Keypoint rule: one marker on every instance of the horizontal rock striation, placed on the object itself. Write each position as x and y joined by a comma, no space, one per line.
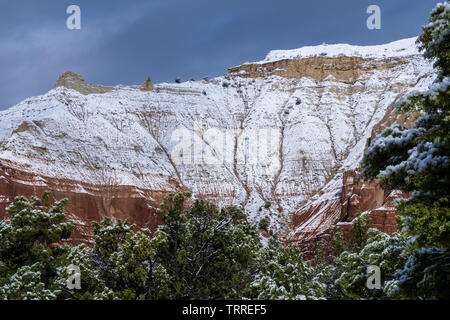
346,69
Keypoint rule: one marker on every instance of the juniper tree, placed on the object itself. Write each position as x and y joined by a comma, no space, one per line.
127,261
209,253
30,248
284,275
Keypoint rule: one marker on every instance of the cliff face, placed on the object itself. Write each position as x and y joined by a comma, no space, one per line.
369,197
274,137
356,197
345,69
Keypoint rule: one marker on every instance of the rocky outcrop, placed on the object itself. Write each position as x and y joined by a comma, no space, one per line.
76,82
356,197
147,85
360,196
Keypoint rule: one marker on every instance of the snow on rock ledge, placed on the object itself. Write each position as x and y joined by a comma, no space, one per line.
400,48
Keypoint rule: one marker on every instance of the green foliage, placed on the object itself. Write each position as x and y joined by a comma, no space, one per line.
92,286
329,248
284,275
415,262
425,275
29,254
198,253
264,224
345,275
209,254
127,261
26,283
34,227
435,38
426,221
360,234
418,160
380,250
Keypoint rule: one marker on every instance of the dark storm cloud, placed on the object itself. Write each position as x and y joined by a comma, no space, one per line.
121,42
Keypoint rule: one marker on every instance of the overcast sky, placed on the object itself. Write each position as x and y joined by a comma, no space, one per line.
121,42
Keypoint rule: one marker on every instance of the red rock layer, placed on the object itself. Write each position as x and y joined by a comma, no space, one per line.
357,196
87,203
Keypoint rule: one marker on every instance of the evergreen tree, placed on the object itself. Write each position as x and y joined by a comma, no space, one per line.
417,160
30,250
209,253
126,261
284,275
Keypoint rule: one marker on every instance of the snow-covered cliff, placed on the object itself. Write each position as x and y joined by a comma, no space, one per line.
273,136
